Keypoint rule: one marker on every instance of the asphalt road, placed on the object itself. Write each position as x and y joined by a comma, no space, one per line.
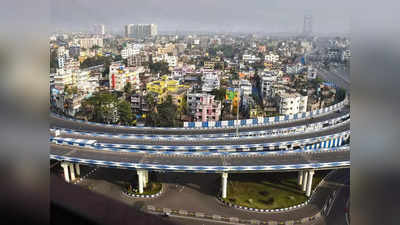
286,159
201,142
197,192
58,122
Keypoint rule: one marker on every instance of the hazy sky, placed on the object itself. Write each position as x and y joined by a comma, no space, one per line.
203,15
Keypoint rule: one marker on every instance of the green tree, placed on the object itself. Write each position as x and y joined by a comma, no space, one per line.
95,61
317,81
70,90
125,113
101,107
159,67
219,93
128,88
167,112
107,107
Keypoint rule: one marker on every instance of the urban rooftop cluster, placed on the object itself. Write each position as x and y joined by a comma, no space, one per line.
145,79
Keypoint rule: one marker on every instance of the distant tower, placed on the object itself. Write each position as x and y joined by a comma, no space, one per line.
99,29
307,27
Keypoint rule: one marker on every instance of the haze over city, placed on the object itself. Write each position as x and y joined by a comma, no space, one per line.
202,16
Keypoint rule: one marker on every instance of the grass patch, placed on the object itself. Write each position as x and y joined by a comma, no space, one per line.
268,190
152,188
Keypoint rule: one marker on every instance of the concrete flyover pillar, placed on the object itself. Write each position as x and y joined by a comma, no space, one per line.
72,171
224,184
65,165
309,182
300,177
78,169
141,180
304,184
146,178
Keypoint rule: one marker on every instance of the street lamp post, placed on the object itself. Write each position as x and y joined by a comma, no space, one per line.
237,111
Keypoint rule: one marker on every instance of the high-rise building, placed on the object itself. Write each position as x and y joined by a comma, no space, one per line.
307,26
90,42
128,30
140,30
99,29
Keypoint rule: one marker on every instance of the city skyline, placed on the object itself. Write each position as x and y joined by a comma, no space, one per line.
205,16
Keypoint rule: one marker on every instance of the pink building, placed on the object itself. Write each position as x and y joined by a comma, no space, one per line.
207,109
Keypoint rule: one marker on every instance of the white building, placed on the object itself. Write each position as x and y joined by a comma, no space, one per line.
62,56
250,58
291,103
90,42
130,50
210,81
171,60
119,76
346,55
99,29
62,78
245,87
271,57
267,82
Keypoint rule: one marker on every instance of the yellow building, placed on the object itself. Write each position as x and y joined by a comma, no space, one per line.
165,87
178,97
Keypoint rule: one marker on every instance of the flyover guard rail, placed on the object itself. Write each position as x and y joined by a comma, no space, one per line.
327,141
224,124
265,120
273,132
206,169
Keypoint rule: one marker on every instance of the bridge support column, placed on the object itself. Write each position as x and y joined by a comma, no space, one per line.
146,178
141,180
224,184
304,183
66,174
300,178
309,182
78,169
72,171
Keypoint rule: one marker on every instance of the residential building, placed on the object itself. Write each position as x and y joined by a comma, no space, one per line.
137,59
74,51
291,103
267,82
164,87
250,58
271,57
245,87
141,30
90,42
62,56
210,81
171,60
203,107
99,29
130,50
138,102
62,78
119,76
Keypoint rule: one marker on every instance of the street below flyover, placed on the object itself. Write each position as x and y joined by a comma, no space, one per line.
197,192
